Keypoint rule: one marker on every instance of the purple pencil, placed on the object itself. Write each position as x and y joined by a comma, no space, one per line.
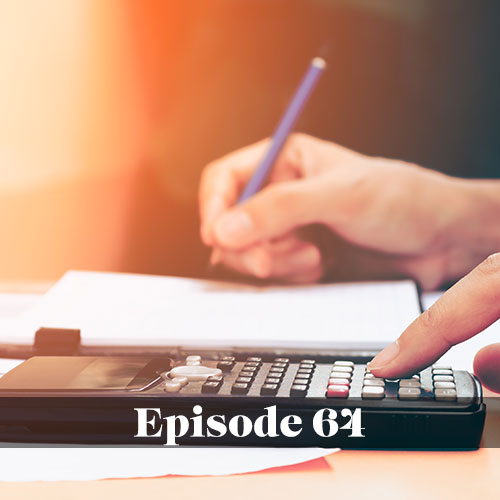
284,127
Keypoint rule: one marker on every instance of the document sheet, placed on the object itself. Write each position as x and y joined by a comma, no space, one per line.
83,463
127,309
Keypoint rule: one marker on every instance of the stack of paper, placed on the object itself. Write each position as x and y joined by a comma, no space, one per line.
126,309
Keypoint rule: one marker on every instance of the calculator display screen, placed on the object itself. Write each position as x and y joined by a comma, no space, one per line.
84,373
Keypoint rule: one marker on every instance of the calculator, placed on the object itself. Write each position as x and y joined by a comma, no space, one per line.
334,402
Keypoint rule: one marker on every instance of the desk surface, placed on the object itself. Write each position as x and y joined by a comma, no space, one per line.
348,474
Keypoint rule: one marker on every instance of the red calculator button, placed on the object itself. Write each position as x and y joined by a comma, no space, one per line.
337,391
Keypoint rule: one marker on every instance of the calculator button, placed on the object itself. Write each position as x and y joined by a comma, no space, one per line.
304,371
181,380
409,383
194,373
337,391
441,367
344,369
302,376
244,380
416,376
276,369
193,360
304,366
298,390
253,369
344,363
444,385
443,378
282,360
279,365
445,394
301,381
228,358
374,383
172,386
308,362
254,360
272,380
442,372
373,378
210,387
253,363
409,393
370,392
240,388
341,369
269,389
369,376
245,373
225,366
338,381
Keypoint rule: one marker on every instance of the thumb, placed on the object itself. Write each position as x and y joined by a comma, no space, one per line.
277,209
487,366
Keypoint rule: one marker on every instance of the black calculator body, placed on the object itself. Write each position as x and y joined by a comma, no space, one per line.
97,400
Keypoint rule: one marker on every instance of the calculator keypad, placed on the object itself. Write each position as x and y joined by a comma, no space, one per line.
283,378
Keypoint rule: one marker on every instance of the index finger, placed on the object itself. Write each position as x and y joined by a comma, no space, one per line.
222,181
463,311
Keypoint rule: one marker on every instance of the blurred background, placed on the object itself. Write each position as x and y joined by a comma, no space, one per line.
110,109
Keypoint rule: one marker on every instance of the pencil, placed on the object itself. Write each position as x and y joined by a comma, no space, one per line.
284,128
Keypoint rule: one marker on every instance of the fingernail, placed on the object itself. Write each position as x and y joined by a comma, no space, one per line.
312,256
258,264
215,258
384,357
232,228
210,213
205,235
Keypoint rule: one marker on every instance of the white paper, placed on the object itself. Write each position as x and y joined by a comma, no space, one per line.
14,304
461,356
87,463
128,309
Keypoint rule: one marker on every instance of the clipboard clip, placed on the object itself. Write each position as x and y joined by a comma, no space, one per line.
56,342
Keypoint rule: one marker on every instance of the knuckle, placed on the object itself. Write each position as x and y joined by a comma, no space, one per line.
283,199
431,319
212,169
297,140
297,137
490,266
436,324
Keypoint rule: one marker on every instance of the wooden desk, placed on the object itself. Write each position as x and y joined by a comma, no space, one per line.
347,474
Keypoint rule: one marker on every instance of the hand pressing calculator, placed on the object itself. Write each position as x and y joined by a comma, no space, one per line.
254,401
